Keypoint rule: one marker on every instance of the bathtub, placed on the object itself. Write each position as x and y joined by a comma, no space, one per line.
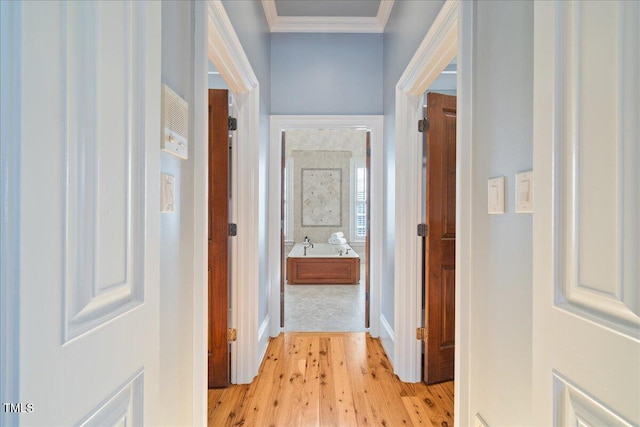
323,264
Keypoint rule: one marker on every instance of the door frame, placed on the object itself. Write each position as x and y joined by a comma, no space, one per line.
450,35
228,56
215,38
280,123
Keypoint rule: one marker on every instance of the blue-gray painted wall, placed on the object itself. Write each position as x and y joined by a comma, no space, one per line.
407,26
250,24
326,73
501,267
176,228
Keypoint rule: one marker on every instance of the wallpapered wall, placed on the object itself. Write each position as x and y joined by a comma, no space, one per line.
322,149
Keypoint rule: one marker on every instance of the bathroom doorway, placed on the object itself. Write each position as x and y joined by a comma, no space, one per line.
324,212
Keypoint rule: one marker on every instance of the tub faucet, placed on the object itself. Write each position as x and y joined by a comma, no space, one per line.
307,240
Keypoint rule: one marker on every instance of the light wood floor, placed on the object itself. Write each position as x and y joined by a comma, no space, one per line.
329,379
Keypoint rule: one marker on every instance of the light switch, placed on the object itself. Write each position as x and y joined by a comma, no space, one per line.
524,192
496,195
167,193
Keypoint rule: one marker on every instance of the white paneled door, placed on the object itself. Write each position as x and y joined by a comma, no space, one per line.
586,293
89,212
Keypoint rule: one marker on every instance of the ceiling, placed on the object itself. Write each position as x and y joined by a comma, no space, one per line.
327,16
365,8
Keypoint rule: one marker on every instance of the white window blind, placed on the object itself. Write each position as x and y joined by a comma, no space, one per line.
358,200
288,199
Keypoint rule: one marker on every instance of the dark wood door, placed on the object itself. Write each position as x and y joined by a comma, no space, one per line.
218,238
441,239
283,268
367,244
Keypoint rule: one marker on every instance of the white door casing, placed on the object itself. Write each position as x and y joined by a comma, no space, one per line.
280,123
586,296
228,56
89,212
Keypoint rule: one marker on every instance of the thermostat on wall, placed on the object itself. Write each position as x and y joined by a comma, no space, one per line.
175,124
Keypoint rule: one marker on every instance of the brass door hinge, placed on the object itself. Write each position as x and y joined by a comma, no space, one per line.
421,334
233,334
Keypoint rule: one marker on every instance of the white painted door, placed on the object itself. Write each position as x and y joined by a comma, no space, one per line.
586,311
89,212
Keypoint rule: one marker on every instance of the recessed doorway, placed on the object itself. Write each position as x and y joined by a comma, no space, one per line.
325,204
291,126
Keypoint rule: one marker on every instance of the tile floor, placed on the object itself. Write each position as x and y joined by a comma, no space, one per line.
324,308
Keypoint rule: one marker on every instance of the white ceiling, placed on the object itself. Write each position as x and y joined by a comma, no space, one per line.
327,16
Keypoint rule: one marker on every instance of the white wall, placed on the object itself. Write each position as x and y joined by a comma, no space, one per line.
501,268
176,230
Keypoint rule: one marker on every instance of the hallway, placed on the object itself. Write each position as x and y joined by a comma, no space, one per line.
329,379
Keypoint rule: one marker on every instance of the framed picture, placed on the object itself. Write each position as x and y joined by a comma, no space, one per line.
321,197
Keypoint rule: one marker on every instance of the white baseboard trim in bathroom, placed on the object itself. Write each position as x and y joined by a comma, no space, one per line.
387,337
263,338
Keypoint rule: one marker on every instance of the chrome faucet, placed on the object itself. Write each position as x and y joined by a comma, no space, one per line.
340,252
308,242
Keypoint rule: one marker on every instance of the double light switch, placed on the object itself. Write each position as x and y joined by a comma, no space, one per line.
524,194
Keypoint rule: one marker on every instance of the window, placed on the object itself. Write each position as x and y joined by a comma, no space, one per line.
358,200
288,200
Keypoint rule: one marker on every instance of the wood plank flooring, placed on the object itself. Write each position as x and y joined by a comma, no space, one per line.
329,379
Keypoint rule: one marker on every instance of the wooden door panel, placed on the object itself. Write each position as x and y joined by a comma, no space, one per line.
218,357
440,241
447,336
449,177
283,158
367,271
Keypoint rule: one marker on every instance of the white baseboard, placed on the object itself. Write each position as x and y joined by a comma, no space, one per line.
387,337
263,338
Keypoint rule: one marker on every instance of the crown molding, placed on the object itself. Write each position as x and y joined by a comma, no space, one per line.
384,11
270,12
327,24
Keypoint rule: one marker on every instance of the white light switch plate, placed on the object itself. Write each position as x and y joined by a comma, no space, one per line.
167,193
496,195
524,192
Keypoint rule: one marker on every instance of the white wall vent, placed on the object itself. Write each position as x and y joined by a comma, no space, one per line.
175,123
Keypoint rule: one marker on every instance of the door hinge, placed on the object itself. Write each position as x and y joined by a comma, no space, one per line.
423,125
421,334
423,230
233,334
233,230
233,123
